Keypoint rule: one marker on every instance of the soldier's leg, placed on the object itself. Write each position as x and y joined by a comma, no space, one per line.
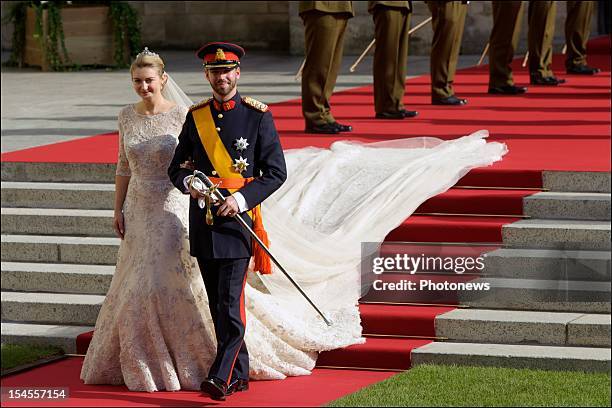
402,60
210,275
336,40
390,55
448,20
231,318
459,12
320,44
241,368
507,16
577,31
540,37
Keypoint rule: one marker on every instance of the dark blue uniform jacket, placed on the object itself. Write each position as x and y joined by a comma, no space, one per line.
226,238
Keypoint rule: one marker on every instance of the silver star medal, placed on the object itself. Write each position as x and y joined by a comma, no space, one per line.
240,164
241,144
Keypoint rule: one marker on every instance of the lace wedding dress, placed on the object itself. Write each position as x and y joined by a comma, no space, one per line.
154,331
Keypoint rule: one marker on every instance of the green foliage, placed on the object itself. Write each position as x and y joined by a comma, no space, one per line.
14,355
124,20
440,386
55,36
17,16
126,28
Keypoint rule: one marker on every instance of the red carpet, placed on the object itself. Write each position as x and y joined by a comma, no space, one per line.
465,201
422,228
377,353
563,128
399,320
315,390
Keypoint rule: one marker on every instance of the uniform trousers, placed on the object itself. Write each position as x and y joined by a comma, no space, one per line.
224,280
324,43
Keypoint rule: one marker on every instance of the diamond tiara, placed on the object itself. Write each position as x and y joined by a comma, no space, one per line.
147,52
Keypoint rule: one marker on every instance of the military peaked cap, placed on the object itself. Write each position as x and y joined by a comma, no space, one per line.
220,55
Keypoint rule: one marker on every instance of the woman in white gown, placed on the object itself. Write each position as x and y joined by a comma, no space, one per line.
154,331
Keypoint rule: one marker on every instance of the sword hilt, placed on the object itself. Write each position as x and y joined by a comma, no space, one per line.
207,182
212,187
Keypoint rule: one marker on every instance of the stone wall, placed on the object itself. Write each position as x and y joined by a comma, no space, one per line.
275,26
189,24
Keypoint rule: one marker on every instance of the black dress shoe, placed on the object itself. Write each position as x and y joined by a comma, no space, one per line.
214,387
507,90
450,100
326,128
390,115
341,127
582,70
548,81
409,114
237,386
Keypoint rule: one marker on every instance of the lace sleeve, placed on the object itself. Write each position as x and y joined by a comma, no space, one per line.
123,165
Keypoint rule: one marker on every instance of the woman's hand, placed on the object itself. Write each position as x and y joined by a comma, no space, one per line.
118,224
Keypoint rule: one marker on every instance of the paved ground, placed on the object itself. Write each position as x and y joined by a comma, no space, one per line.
45,107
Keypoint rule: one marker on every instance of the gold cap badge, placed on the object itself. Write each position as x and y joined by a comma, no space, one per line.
220,55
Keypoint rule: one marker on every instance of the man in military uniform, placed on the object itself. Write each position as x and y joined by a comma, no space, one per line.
391,22
507,16
539,39
448,19
233,140
577,30
324,26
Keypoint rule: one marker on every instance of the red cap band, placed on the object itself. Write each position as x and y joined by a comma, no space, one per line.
229,56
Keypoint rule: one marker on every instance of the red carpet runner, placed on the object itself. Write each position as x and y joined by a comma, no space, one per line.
550,128
314,390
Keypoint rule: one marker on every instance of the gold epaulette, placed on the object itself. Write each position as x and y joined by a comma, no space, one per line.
255,104
200,104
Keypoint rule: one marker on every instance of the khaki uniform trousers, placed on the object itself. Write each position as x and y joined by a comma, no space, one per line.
390,58
448,19
324,37
577,31
507,16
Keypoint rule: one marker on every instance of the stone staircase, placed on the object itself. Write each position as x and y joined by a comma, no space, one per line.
58,250
549,303
549,306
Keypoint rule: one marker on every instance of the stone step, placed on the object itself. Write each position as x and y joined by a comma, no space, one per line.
43,335
85,196
524,327
64,278
51,308
589,329
589,359
577,181
59,172
58,249
540,295
576,206
557,234
51,221
548,264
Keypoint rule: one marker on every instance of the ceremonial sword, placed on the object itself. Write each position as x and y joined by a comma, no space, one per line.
213,188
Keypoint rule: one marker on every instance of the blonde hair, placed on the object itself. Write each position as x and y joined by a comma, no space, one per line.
148,60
